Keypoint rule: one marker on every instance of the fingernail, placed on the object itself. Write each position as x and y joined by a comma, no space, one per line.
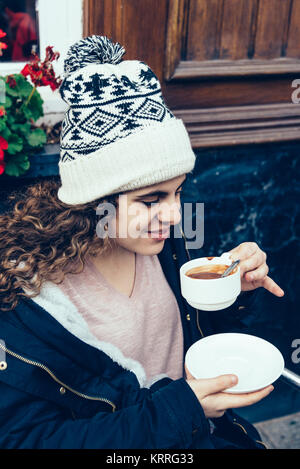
233,379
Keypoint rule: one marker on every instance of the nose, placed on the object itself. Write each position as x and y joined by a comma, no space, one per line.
169,213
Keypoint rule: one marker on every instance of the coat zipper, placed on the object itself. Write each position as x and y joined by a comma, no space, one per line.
189,257
65,386
245,431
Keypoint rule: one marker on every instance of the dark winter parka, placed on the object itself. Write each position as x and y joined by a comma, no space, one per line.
60,391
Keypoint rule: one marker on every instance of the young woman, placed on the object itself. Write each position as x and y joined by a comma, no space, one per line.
94,329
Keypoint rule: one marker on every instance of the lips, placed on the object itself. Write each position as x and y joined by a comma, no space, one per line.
159,234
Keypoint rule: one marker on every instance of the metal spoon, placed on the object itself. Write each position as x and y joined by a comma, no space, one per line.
230,268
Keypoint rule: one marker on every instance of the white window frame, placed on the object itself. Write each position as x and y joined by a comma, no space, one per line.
60,25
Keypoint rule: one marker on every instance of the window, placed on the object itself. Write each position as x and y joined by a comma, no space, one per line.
38,24
18,20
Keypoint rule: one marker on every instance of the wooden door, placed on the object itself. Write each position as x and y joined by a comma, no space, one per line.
228,68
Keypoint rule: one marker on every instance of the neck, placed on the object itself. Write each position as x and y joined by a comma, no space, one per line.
113,259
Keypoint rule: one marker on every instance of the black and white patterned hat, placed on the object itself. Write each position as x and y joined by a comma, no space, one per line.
117,134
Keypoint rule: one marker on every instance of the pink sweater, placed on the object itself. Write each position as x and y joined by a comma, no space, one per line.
145,326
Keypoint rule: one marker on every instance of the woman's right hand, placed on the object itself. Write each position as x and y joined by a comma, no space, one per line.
214,402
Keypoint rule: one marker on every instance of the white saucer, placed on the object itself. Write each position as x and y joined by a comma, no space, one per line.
256,362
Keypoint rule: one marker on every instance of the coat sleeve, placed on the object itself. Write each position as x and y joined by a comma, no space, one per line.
166,418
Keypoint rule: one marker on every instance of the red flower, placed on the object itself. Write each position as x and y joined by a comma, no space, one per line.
26,70
2,44
3,146
50,55
42,73
11,81
3,143
2,111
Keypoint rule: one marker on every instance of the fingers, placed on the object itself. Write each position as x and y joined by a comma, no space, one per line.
215,385
244,400
243,251
250,258
265,282
254,269
258,274
270,285
214,399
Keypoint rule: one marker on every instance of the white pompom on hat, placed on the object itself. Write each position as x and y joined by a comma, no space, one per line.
117,134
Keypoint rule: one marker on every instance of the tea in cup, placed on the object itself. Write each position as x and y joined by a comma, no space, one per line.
203,286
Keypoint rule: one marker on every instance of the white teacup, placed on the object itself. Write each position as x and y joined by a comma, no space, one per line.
210,294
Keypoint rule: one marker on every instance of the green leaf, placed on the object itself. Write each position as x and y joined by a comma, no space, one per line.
23,87
35,106
15,144
2,125
17,165
10,119
27,112
3,121
8,102
11,91
22,129
6,133
37,138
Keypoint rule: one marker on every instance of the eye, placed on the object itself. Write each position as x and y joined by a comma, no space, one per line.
148,204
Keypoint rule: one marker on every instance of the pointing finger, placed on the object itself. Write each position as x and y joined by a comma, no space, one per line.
270,285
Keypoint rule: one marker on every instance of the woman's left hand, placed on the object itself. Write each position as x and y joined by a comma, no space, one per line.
253,268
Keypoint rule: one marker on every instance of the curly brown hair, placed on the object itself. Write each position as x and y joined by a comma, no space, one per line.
50,237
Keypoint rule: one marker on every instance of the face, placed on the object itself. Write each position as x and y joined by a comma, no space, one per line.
144,216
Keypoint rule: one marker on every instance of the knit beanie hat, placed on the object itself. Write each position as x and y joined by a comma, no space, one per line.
117,133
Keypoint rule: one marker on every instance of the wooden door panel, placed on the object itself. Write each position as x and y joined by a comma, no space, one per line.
293,36
214,57
271,28
203,29
238,20
137,25
247,38
214,93
220,30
